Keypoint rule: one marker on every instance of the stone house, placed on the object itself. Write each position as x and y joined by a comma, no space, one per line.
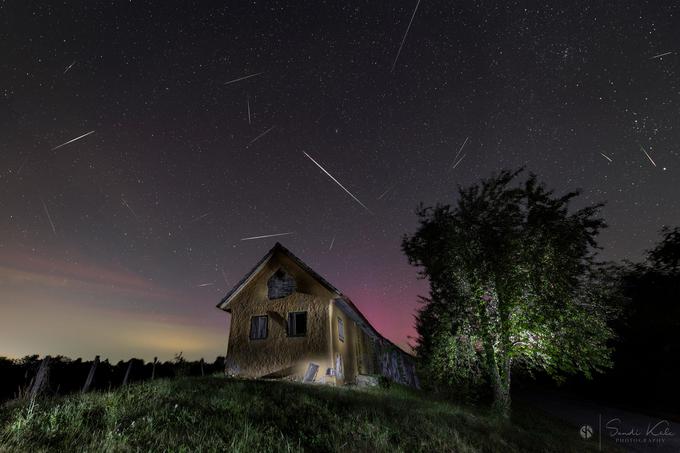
288,322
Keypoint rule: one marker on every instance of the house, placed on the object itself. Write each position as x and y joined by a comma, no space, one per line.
288,321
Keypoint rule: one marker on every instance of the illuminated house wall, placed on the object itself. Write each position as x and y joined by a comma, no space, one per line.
265,342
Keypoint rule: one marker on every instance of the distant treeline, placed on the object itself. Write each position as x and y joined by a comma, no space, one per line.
65,375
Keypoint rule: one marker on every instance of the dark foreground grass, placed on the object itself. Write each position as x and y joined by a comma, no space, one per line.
218,414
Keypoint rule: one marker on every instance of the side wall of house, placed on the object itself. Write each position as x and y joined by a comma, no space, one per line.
394,363
361,353
279,353
367,358
344,350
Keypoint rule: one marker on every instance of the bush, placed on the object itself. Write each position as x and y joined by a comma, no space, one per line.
384,382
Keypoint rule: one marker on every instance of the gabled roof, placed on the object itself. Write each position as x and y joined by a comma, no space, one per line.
260,264
342,301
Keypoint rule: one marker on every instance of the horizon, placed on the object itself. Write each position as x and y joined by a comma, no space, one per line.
216,338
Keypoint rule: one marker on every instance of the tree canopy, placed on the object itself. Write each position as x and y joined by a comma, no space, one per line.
513,282
665,257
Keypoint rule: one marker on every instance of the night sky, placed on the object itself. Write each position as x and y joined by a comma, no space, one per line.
121,243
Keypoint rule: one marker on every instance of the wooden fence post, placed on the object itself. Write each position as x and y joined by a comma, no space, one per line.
127,373
40,381
90,376
153,368
202,373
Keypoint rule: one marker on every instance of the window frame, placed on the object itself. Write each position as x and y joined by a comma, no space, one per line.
266,328
288,324
341,329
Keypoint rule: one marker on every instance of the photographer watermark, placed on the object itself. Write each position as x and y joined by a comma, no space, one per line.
630,432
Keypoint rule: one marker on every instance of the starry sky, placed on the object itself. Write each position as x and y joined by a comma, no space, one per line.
121,242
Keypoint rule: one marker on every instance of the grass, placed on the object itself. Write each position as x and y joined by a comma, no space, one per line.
219,414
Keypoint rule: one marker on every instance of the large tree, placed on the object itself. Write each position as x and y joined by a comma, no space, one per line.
513,281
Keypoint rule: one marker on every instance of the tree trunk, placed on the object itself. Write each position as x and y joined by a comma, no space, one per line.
498,370
497,362
503,361
501,394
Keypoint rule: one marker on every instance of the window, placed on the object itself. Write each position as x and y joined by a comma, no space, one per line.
280,285
258,327
341,330
297,324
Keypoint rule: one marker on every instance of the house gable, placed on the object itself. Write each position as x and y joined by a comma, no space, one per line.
294,275
307,281
277,275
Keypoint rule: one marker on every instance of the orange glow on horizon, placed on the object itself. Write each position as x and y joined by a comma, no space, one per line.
83,310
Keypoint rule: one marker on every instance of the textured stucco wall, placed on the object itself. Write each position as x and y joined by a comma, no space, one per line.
359,353
347,348
256,358
367,358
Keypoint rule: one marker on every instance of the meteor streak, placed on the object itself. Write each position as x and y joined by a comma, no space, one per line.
200,217
69,67
461,148
459,161
403,40
243,78
125,203
648,156
260,136
266,236
338,182
54,230
71,141
661,55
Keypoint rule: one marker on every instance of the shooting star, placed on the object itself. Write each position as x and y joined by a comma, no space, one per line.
648,156
125,203
69,66
248,98
459,161
260,136
386,191
332,242
461,148
661,55
224,275
403,40
266,236
200,217
71,141
22,165
205,284
338,182
47,212
606,157
243,78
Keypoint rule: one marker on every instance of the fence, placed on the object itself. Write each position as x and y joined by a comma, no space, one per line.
33,376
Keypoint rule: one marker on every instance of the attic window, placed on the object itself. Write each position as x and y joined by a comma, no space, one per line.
280,285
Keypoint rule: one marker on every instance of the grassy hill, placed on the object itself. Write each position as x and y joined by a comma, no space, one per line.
218,414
